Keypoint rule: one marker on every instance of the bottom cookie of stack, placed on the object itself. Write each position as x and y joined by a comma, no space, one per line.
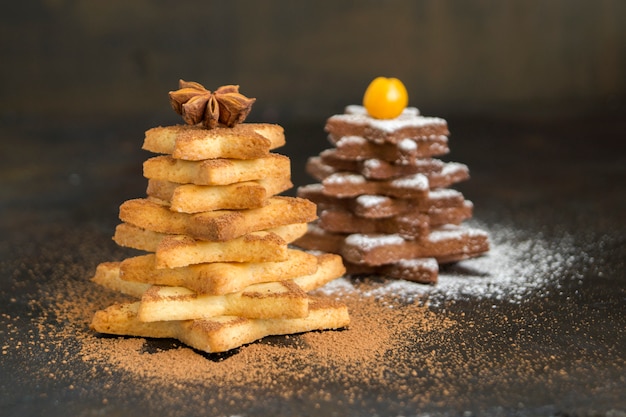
217,321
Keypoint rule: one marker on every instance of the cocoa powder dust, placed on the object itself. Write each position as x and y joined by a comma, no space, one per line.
61,301
399,353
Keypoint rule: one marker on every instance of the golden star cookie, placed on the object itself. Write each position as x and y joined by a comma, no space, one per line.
218,277
191,198
219,171
217,225
223,333
194,143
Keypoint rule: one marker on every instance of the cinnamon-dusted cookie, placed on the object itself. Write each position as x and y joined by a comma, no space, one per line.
273,299
266,246
108,275
282,299
222,333
216,171
259,301
180,250
195,143
134,237
218,277
191,198
217,225
356,122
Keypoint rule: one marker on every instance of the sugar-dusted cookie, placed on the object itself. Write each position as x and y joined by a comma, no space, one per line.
410,225
446,244
421,270
348,184
376,206
439,175
356,122
405,151
376,168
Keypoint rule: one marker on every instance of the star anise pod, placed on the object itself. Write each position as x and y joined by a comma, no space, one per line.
225,106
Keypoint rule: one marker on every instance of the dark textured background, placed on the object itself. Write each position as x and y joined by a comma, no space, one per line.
306,60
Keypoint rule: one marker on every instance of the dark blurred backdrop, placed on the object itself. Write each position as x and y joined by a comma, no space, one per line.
305,60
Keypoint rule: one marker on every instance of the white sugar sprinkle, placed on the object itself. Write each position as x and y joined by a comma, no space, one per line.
516,267
369,200
441,193
407,119
372,163
425,263
358,109
407,145
450,232
416,181
344,178
351,140
367,242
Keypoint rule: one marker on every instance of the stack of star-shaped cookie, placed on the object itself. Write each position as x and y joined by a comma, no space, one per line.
384,199
219,271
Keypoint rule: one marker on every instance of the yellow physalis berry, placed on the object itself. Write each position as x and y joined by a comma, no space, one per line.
385,98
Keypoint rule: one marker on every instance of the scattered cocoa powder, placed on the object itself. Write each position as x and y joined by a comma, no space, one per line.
398,354
374,330
290,365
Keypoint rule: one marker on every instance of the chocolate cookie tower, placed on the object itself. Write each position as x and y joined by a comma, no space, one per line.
384,199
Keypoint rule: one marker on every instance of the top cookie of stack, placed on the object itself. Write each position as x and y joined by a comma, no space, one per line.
383,197
219,272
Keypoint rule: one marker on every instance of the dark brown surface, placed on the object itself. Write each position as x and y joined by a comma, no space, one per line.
307,60
61,186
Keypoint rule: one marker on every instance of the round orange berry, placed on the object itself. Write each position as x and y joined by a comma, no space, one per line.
385,98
